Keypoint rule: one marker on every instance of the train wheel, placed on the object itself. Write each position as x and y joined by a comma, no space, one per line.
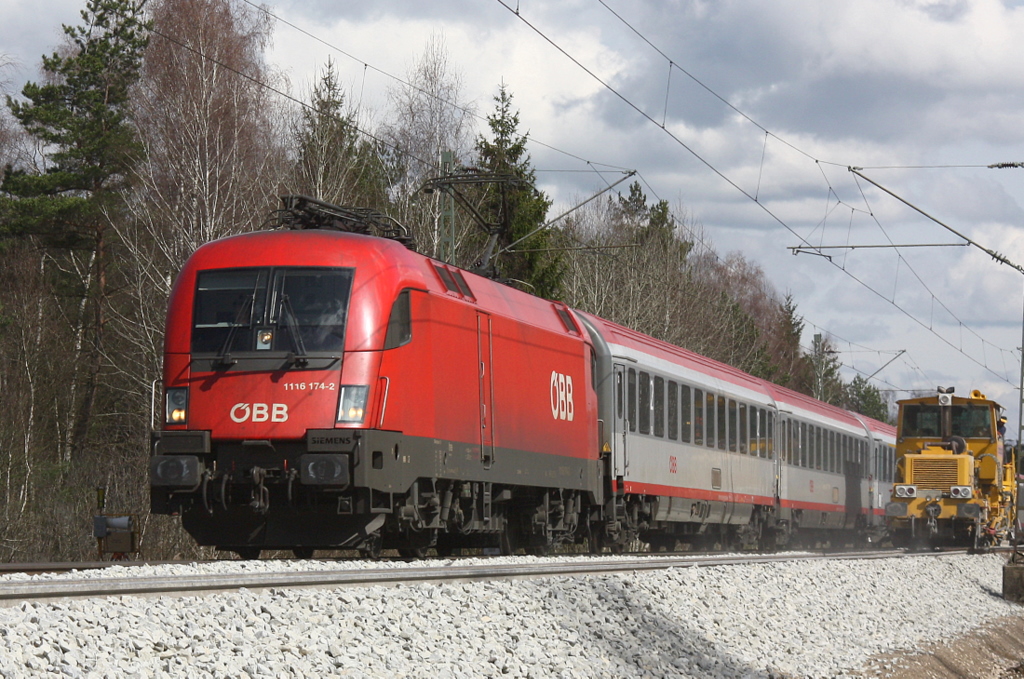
303,552
248,553
371,547
412,552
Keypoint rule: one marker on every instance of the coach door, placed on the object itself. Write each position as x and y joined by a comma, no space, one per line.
485,359
621,419
852,473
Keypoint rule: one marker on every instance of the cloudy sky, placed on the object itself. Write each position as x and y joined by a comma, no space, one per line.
746,116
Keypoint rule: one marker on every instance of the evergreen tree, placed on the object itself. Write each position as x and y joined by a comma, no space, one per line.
334,163
80,117
516,205
866,399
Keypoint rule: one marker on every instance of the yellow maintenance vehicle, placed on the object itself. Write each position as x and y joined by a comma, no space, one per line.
955,481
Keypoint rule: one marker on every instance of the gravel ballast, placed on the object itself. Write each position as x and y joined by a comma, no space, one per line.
816,619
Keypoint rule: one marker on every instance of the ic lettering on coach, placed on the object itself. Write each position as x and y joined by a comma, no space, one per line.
562,407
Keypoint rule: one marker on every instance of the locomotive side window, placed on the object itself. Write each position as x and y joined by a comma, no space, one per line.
463,286
659,406
672,401
698,416
684,404
399,323
631,402
284,309
645,403
447,279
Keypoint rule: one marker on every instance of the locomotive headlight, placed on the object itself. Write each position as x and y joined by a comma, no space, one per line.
264,339
352,406
905,491
176,407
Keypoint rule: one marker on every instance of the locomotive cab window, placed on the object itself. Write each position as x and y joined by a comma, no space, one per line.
399,323
297,310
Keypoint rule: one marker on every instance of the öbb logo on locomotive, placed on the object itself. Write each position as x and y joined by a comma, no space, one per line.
259,412
562,407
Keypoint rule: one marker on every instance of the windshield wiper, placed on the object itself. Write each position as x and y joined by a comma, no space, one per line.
224,359
298,357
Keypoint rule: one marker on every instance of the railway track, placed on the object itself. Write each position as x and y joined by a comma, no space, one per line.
57,587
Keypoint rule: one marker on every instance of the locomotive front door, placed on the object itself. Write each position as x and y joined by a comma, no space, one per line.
620,423
485,356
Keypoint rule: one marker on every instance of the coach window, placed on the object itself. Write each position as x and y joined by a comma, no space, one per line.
632,400
710,428
769,441
698,416
659,406
830,450
618,394
723,424
752,430
762,432
685,406
819,460
733,424
672,402
743,428
791,445
645,403
805,445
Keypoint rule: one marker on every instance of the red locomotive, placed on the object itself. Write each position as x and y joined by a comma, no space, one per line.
327,389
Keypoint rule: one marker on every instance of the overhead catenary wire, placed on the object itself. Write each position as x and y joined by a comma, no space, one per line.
366,66
728,180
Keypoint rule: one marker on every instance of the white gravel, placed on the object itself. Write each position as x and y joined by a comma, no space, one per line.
816,619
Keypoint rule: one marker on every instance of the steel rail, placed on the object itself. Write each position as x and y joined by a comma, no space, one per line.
12,592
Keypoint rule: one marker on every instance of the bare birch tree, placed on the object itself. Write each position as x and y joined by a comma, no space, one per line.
429,116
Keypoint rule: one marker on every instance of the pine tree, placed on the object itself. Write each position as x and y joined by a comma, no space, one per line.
80,116
866,399
517,205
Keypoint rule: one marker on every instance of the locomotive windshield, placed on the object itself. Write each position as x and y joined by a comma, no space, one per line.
297,310
968,421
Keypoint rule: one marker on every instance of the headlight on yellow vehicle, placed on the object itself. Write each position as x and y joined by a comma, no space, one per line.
905,491
961,492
